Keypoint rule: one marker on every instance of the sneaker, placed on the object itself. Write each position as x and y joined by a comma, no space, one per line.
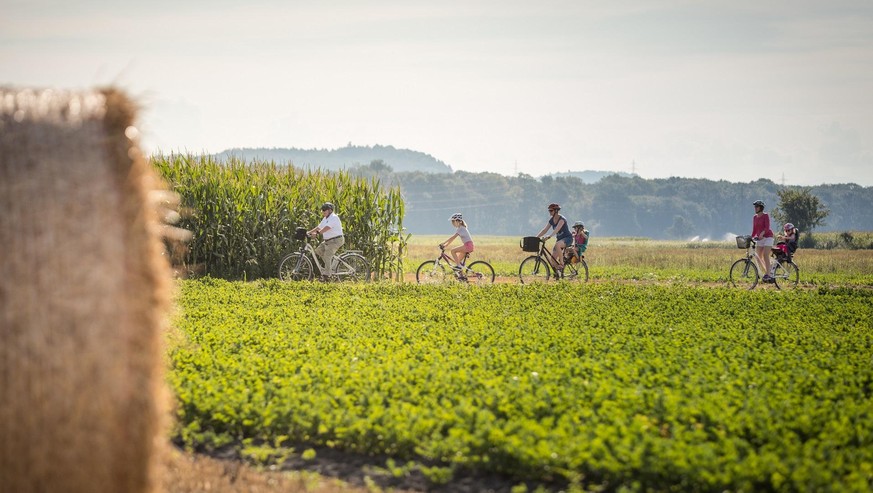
767,278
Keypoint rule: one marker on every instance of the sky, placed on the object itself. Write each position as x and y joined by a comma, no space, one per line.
735,90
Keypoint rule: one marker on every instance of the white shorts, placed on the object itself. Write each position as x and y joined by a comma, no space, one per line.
765,242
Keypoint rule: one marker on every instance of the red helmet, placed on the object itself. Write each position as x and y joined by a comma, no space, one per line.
554,207
788,227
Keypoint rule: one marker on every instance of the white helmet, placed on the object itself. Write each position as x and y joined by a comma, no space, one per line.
456,217
578,224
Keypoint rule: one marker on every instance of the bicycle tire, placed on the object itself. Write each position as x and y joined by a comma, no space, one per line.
358,269
534,270
288,265
786,275
744,274
429,272
479,272
576,272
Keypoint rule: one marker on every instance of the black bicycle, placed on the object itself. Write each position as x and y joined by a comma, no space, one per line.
538,268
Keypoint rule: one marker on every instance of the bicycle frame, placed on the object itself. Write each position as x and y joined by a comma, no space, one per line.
449,260
307,248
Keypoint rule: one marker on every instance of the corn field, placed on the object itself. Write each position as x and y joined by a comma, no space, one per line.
243,214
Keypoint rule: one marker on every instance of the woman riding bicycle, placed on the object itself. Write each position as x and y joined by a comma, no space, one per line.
763,236
564,238
331,230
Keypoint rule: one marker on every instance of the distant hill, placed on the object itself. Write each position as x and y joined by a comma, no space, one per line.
399,160
590,176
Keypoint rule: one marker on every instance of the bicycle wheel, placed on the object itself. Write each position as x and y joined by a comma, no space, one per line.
479,272
295,268
352,267
744,274
576,272
429,272
786,275
533,270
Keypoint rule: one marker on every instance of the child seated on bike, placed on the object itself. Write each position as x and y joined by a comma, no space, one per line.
580,242
460,252
787,244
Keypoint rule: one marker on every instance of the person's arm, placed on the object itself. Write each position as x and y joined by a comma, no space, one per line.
541,233
451,238
559,225
321,228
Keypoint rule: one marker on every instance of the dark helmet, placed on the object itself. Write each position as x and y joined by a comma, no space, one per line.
327,205
554,207
759,203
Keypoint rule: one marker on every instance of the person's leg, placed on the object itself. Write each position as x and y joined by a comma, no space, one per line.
766,257
559,253
321,253
458,253
326,250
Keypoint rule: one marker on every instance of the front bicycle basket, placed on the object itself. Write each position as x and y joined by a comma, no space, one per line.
744,241
300,234
530,244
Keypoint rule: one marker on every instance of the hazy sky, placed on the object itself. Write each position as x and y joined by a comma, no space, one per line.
735,90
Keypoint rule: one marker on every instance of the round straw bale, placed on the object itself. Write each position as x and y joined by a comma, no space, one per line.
84,293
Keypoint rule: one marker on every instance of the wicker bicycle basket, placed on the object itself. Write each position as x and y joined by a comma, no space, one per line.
530,244
743,241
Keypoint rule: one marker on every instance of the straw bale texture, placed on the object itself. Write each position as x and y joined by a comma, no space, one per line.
84,292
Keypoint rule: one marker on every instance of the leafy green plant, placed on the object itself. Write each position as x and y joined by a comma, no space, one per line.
641,387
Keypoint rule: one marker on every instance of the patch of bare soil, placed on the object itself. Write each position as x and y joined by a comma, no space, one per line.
329,471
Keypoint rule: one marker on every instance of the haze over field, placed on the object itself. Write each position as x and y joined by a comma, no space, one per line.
734,90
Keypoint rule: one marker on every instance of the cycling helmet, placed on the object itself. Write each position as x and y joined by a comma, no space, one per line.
327,205
578,224
759,202
456,217
788,227
554,207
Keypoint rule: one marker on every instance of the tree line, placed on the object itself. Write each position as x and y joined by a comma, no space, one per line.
671,208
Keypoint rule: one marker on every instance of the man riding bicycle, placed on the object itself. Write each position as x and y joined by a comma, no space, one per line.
331,230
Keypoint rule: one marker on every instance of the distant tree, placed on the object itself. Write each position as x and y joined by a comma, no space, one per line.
681,228
379,166
801,208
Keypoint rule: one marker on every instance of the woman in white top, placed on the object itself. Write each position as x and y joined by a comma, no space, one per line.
331,230
466,247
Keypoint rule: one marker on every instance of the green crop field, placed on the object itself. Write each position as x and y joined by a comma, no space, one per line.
680,384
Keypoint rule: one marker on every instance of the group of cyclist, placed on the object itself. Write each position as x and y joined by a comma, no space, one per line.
576,241
331,229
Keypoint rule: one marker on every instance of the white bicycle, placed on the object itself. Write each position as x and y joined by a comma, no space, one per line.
297,266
